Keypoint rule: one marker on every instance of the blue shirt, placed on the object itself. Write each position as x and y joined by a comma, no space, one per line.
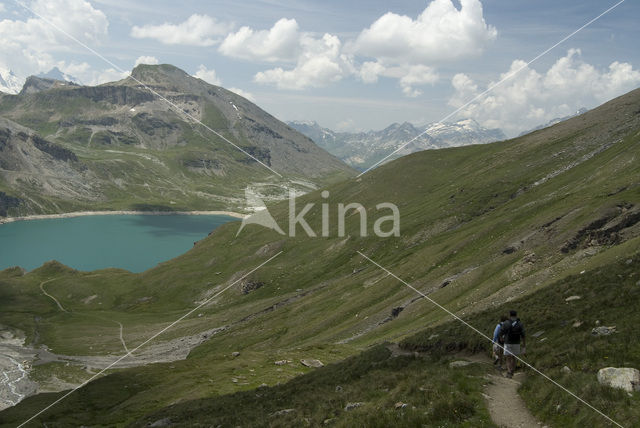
496,333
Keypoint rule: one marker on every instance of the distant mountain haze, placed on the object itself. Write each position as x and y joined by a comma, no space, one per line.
363,149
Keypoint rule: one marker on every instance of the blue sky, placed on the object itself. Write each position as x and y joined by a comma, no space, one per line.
349,65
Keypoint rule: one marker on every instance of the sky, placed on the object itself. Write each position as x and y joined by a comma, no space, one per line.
350,66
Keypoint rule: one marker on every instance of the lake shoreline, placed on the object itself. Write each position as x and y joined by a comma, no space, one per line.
118,212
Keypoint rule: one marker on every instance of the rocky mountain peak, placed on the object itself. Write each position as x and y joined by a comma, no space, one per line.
162,74
35,84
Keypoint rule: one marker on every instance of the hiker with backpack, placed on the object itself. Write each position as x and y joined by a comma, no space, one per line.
498,344
512,332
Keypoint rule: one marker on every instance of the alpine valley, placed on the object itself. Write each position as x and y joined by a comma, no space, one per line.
315,331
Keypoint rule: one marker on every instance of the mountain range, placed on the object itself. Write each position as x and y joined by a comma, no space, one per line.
304,330
361,150
10,83
137,144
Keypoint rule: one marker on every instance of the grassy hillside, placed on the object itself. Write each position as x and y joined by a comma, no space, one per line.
438,394
480,226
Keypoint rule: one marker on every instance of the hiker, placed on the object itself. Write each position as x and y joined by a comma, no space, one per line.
498,343
512,332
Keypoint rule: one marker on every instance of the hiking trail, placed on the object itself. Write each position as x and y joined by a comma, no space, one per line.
49,295
506,407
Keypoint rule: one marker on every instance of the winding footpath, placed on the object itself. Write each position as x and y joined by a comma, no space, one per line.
49,295
124,344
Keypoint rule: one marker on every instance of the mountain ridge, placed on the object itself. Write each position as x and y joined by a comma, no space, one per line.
139,151
363,149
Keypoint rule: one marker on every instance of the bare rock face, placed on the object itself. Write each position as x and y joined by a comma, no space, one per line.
625,378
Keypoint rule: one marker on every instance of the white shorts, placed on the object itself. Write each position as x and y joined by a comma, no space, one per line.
511,349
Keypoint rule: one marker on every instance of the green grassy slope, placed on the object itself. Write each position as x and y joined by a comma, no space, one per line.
444,396
480,225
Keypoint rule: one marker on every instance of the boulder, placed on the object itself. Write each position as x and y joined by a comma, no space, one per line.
310,362
161,423
460,363
282,412
351,406
603,330
625,378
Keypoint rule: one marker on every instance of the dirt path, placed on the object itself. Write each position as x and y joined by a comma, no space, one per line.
122,340
505,405
49,295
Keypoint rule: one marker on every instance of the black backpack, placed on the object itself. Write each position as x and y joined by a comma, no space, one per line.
511,331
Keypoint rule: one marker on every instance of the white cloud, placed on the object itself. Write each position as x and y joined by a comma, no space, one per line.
531,98
319,63
318,60
408,76
197,30
280,43
245,94
108,75
370,71
407,49
28,45
2,8
207,75
395,46
440,33
75,17
151,60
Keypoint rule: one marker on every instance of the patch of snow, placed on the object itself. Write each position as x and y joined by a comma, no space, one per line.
9,82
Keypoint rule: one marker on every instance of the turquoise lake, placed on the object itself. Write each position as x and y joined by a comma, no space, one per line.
132,242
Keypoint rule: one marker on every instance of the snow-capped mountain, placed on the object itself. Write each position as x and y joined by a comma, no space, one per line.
363,149
56,74
9,82
12,84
